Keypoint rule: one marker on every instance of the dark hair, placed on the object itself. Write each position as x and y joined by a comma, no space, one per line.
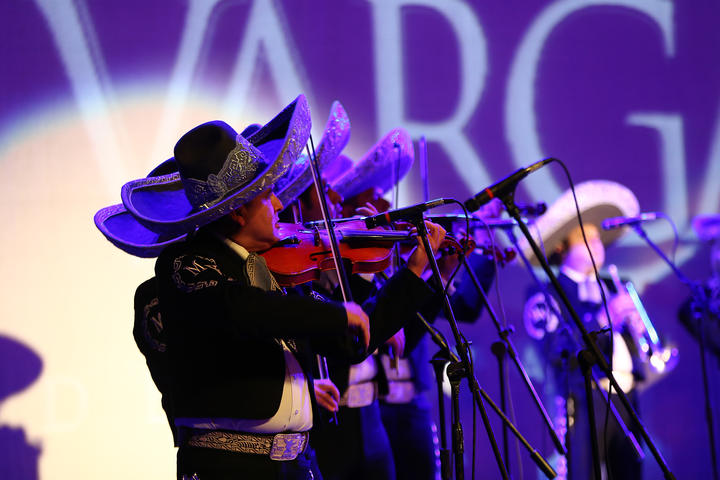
557,256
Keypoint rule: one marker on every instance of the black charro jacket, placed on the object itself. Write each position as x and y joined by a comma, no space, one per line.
224,359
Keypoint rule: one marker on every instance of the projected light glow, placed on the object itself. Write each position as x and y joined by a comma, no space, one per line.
100,91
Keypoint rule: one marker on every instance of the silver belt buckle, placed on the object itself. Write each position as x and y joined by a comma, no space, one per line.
359,395
287,446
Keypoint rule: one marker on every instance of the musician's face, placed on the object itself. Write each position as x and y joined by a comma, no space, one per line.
577,256
260,221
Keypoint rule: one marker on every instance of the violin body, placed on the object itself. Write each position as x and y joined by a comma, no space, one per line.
304,253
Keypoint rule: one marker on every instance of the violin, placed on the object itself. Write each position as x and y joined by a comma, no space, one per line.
502,256
303,251
457,222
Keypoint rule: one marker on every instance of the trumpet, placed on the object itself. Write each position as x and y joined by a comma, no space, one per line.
658,358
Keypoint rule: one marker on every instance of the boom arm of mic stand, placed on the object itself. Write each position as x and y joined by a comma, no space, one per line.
633,441
504,336
534,454
601,362
462,348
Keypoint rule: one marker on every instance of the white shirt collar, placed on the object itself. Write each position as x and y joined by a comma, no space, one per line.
235,247
574,275
587,285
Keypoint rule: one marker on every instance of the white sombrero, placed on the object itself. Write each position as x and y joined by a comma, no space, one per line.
597,200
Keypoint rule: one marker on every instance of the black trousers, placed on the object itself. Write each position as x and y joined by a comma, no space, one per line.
357,448
212,464
619,456
410,428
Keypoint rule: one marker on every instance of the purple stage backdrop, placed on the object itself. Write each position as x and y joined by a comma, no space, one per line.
96,92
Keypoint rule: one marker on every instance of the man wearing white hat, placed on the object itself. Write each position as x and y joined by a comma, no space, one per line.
546,321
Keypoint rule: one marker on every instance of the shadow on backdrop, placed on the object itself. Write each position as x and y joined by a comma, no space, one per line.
19,368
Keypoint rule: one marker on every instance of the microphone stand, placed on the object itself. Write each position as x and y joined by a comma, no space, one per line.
699,306
512,209
628,434
460,369
446,355
439,361
504,334
499,350
587,359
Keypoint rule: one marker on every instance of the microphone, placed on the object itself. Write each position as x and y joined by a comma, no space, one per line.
504,186
406,213
618,222
532,209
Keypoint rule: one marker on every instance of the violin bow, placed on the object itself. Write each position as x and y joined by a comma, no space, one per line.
339,266
422,149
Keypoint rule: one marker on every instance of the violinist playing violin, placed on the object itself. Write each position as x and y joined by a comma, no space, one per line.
360,446
406,407
547,322
239,351
357,447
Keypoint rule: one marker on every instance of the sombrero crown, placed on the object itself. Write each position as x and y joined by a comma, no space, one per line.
382,166
597,200
267,153
218,171
335,136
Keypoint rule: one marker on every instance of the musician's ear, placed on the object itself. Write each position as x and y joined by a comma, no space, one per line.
238,216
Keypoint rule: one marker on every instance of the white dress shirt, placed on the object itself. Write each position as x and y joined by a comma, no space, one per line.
295,411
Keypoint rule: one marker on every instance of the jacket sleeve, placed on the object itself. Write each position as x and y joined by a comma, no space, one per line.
395,305
389,309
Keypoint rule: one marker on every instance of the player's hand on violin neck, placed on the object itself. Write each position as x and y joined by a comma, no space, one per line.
367,210
419,260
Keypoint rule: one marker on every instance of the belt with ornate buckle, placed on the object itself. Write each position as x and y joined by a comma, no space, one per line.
281,446
359,395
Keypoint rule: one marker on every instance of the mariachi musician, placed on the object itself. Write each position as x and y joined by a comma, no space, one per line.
357,447
400,384
238,359
548,322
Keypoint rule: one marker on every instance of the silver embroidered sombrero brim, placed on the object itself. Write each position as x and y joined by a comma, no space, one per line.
129,235
381,167
597,200
172,205
335,136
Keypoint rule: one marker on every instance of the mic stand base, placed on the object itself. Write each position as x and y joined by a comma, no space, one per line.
456,372
463,351
439,361
586,360
499,350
